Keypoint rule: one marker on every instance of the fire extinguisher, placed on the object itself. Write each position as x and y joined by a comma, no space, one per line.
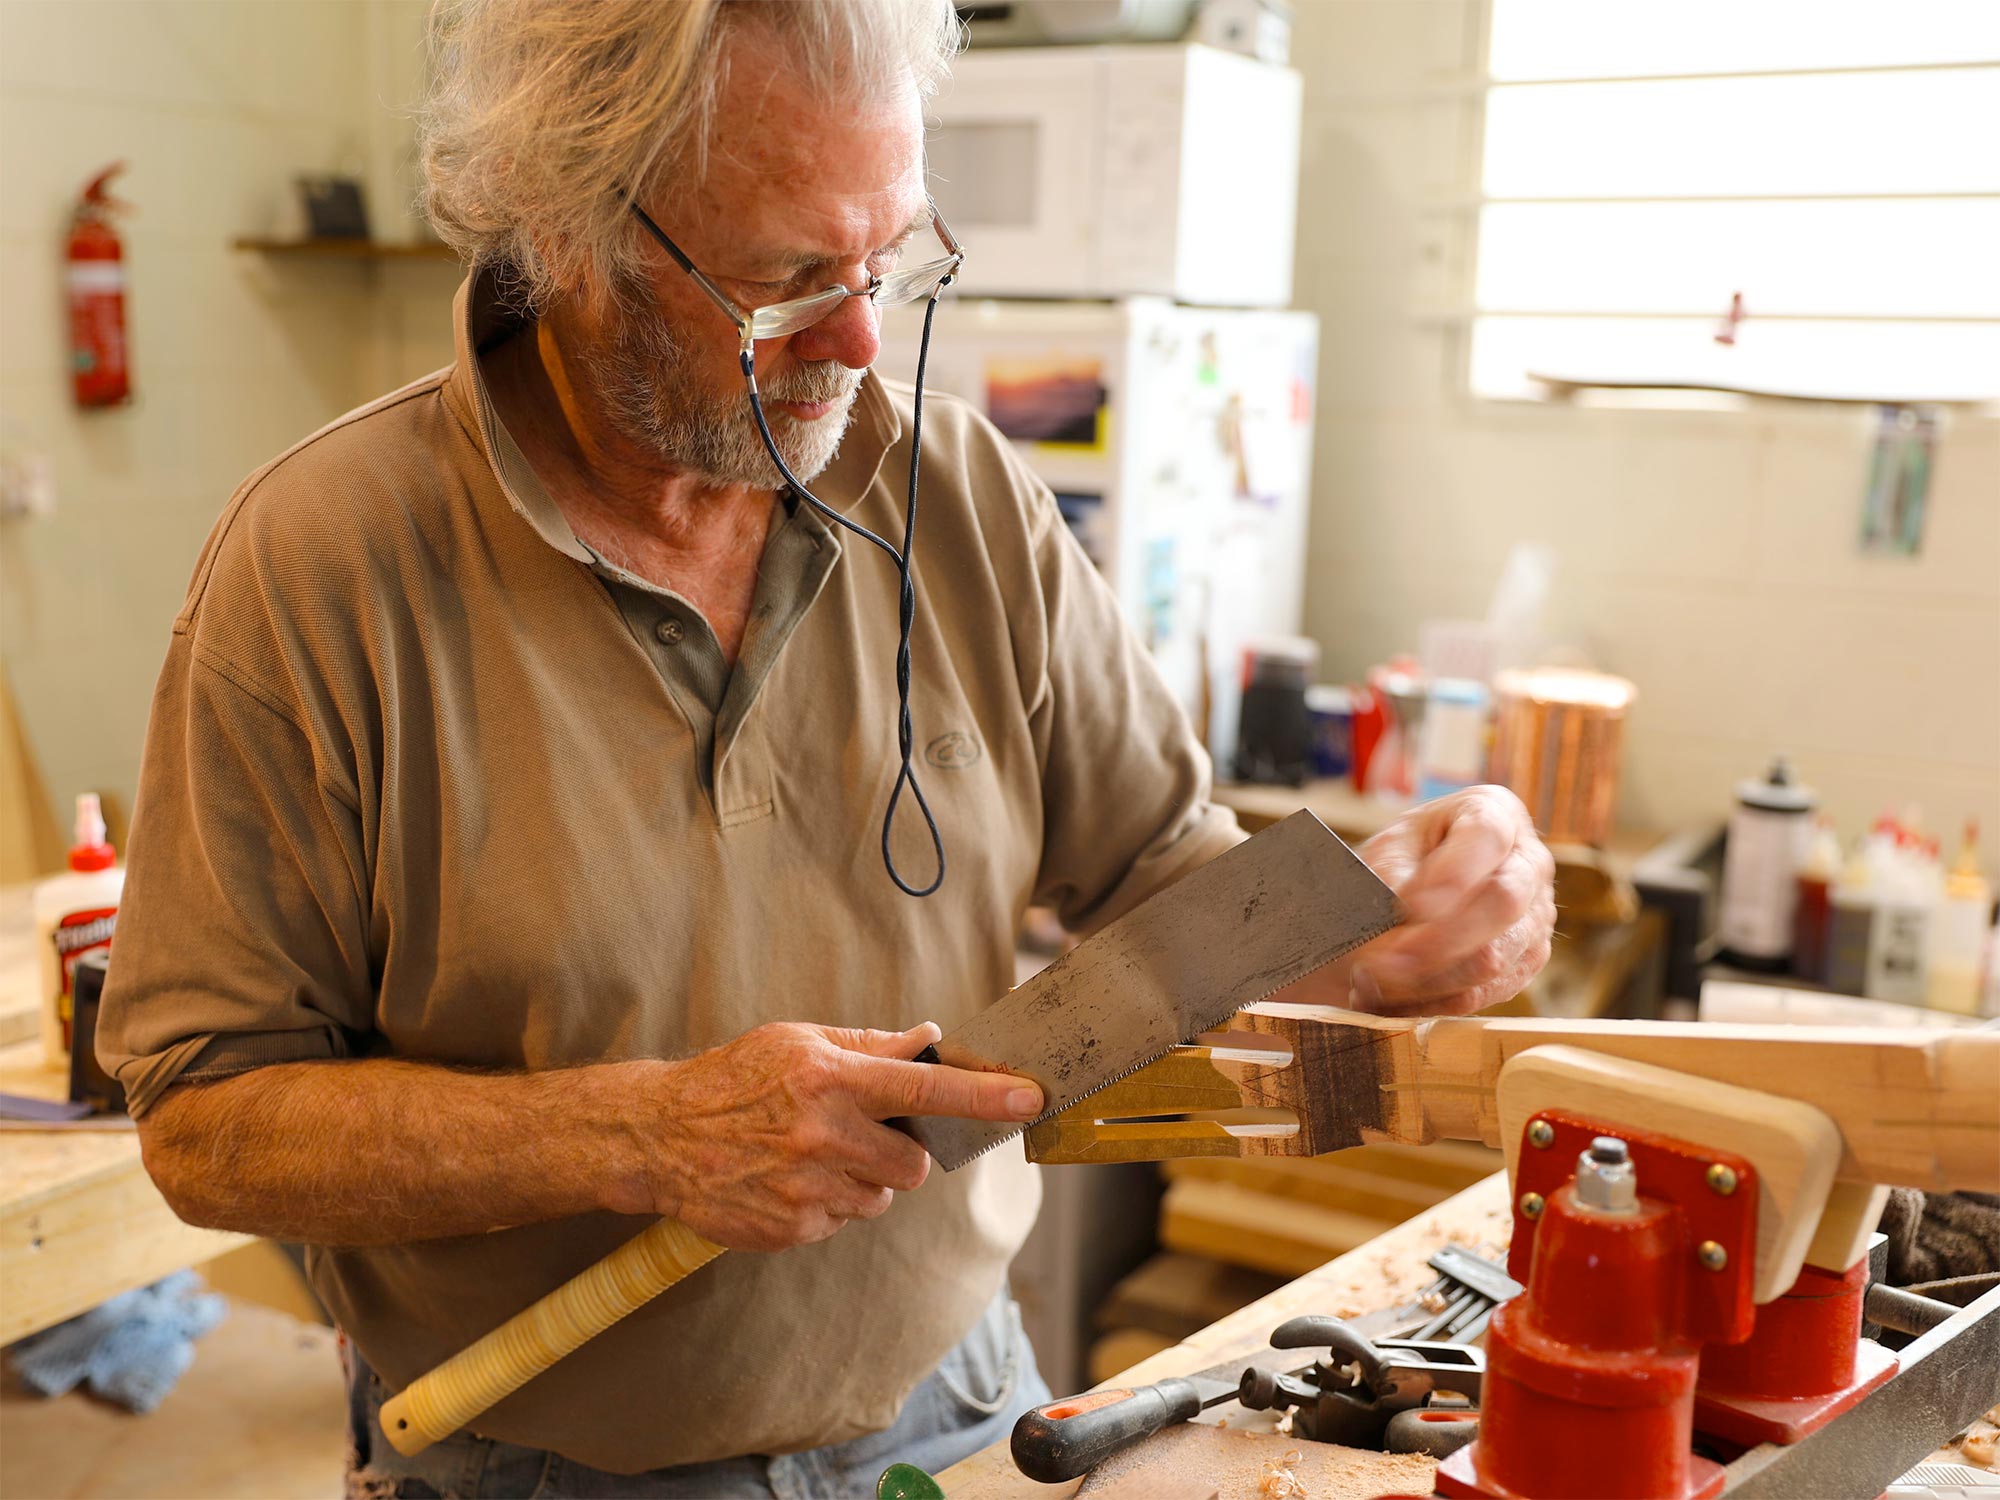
99,360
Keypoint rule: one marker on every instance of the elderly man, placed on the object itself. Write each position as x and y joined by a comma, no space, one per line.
509,862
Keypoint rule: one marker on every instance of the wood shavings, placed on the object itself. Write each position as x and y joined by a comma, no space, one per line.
1279,1482
1978,1447
1232,1462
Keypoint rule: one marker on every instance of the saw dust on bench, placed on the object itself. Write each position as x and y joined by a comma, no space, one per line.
1199,1460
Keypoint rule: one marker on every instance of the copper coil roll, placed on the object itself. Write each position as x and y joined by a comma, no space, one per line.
1557,736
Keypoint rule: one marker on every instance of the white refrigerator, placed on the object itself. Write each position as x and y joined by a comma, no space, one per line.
1178,442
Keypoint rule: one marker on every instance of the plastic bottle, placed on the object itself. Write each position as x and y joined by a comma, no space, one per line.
1452,747
1909,885
1769,831
1850,925
1811,921
1958,932
74,915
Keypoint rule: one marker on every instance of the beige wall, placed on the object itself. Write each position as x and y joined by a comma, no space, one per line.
1708,555
214,104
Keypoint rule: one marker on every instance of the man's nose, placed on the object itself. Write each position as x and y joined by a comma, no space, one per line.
851,333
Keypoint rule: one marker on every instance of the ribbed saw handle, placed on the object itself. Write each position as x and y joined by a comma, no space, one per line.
436,1405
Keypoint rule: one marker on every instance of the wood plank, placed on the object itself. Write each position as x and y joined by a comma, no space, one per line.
20,968
1234,1465
74,1249
1125,1347
344,249
1177,1295
1388,1270
1226,1221
80,1221
1320,1180
1913,1105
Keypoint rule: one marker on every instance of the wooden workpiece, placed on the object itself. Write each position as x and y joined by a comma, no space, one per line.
1388,1270
80,1221
1915,1107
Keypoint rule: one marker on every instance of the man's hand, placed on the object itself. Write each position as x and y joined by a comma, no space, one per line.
1479,887
776,1138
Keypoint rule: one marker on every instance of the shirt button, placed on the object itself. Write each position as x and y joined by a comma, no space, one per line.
669,631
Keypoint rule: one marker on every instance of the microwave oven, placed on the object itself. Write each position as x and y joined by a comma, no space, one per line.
1167,170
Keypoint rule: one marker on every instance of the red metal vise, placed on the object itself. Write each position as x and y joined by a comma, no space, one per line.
1634,1254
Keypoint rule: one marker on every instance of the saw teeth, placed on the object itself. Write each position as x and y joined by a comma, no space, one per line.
1020,1130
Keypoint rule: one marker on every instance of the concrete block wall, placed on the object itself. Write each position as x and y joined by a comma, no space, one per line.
1707,554
214,105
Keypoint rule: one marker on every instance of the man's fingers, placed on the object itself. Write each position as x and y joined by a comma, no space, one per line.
887,1158
883,1087
861,1200
1496,971
1496,905
871,1043
1481,835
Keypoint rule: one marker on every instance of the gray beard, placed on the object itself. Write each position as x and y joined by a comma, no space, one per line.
654,396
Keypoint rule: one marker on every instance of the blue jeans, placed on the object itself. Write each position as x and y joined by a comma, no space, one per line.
972,1399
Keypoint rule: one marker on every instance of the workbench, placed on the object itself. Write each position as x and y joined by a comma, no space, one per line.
80,1221
1388,1270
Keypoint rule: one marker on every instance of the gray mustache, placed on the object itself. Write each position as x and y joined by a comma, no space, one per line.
824,382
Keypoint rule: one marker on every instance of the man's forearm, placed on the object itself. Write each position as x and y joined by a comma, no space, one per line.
382,1151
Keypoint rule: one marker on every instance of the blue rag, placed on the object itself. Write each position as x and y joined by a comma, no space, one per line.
131,1350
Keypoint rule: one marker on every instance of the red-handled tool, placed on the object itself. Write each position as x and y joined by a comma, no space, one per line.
1070,1437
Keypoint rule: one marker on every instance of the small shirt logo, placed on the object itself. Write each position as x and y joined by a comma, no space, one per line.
952,752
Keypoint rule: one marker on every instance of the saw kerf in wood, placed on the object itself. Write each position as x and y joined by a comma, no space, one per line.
1914,1106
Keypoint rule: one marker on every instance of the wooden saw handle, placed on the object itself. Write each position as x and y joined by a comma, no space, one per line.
436,1405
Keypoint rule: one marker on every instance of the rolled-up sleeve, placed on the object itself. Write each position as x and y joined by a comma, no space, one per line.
242,936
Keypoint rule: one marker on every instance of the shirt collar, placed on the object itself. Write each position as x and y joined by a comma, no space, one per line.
482,318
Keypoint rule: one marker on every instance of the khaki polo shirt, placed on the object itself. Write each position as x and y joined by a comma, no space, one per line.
427,779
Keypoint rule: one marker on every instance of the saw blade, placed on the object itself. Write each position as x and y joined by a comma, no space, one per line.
1243,926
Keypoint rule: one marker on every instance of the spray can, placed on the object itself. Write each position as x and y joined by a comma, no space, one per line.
1770,829
74,915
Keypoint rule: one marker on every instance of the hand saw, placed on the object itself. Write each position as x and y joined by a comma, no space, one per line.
1240,928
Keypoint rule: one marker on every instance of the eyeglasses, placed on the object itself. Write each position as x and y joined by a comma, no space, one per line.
780,318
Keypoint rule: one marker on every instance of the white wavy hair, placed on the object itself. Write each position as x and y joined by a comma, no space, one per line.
544,117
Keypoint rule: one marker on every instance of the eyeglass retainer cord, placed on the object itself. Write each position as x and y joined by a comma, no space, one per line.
906,588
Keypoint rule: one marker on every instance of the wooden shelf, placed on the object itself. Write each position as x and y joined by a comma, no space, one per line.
331,249
1568,387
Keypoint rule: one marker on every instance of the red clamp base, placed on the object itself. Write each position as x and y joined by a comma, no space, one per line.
1591,1371
1457,1476
1804,1365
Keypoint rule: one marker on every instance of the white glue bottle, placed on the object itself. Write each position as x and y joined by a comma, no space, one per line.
74,915
1770,832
